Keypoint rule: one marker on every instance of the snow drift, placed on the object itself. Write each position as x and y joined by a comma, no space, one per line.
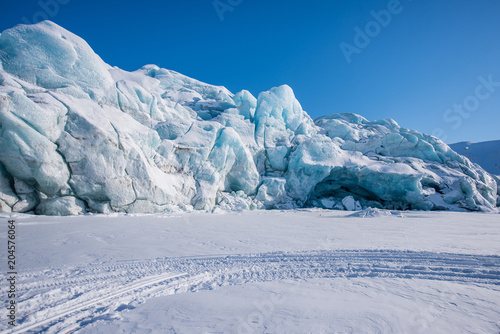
77,135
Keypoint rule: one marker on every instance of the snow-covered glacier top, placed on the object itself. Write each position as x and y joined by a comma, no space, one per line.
78,135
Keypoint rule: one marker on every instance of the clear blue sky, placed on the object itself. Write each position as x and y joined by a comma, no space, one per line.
421,64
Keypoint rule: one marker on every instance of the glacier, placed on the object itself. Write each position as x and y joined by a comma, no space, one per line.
80,136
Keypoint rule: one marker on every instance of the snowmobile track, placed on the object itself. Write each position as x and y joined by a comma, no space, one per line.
77,296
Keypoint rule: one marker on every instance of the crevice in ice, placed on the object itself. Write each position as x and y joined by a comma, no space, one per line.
118,100
28,90
61,102
151,106
63,157
190,127
401,143
216,140
118,140
430,183
31,126
10,180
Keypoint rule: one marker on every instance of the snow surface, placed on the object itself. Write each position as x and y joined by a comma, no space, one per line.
78,135
486,154
297,271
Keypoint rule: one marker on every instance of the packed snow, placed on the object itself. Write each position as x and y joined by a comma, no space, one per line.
78,135
297,271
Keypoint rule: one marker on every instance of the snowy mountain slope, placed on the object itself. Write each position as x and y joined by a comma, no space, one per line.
78,135
486,154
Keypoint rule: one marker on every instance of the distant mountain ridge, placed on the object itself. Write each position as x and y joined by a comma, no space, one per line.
486,154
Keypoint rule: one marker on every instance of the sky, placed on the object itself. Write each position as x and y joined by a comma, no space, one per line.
433,66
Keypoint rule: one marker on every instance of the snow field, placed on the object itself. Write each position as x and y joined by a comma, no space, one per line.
276,271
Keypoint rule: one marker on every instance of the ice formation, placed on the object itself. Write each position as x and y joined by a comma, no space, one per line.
77,135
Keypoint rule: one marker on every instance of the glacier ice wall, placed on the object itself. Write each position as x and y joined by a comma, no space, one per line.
77,135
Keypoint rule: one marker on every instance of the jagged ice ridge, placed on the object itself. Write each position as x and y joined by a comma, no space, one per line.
77,135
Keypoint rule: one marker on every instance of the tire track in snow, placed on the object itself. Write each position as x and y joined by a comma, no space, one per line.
72,292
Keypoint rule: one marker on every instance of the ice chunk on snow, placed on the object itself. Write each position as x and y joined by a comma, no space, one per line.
237,201
374,212
61,206
272,193
351,204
